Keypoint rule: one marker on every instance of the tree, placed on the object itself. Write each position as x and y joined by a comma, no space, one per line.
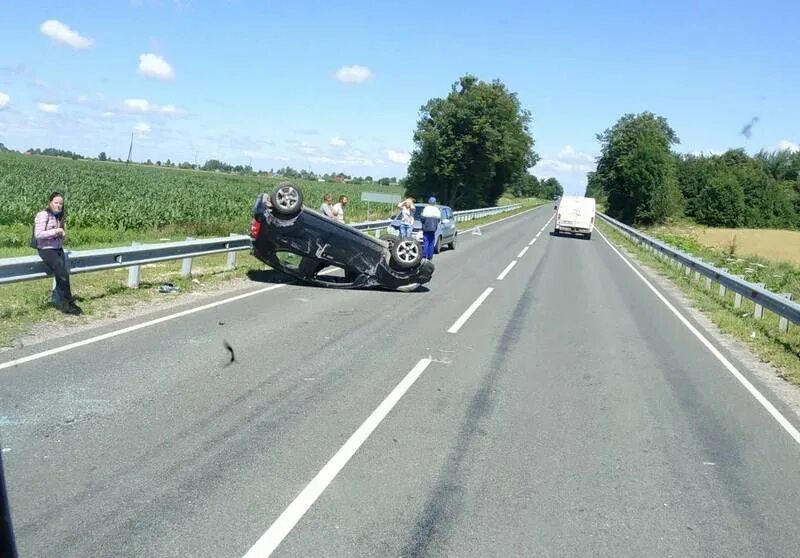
721,201
637,171
102,156
471,145
549,189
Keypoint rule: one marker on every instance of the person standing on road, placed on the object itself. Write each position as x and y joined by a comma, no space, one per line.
431,216
406,217
49,232
338,209
327,206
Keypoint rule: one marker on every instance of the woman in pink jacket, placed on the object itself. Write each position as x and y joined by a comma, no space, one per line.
49,233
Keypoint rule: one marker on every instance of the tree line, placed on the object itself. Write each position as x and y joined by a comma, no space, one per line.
642,181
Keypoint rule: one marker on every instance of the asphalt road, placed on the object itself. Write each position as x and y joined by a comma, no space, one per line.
571,414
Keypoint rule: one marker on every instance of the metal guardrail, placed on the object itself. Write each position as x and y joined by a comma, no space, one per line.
780,304
460,216
27,268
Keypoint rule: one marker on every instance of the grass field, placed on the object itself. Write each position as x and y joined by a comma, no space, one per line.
777,272
769,244
111,203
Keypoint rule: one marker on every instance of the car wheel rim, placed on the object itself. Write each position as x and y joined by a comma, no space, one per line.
287,197
407,252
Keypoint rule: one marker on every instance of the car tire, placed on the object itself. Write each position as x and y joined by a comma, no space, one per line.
406,253
286,199
589,236
438,246
452,245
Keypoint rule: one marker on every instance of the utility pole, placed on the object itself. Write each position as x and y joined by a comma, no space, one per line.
130,150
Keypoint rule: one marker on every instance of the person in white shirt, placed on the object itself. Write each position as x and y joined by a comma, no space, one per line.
338,209
431,216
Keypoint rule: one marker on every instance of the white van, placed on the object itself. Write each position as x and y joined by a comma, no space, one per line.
575,215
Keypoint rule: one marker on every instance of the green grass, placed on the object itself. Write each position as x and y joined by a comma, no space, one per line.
761,336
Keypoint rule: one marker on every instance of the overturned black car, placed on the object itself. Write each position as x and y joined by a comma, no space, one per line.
303,243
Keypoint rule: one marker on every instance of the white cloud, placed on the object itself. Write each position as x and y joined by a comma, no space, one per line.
108,114
138,105
784,145
142,129
353,74
48,107
567,160
256,154
5,99
143,105
338,142
304,148
402,157
569,166
63,34
154,66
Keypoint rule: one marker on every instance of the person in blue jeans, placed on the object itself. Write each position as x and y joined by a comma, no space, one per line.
430,217
406,217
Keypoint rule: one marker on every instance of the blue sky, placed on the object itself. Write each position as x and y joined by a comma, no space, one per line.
338,86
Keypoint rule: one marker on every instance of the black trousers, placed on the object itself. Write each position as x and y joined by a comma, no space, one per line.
54,259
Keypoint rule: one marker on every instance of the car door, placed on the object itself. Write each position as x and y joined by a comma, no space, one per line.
448,225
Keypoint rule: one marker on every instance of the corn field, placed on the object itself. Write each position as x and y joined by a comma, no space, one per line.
117,197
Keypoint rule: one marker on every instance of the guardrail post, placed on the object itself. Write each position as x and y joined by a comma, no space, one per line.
186,268
133,272
783,323
231,263
722,291
758,312
708,283
737,300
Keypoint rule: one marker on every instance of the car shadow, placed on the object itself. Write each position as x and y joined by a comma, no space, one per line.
269,276
278,277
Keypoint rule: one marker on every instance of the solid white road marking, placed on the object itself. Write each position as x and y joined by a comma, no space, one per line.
522,253
282,526
469,311
508,268
135,327
776,414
